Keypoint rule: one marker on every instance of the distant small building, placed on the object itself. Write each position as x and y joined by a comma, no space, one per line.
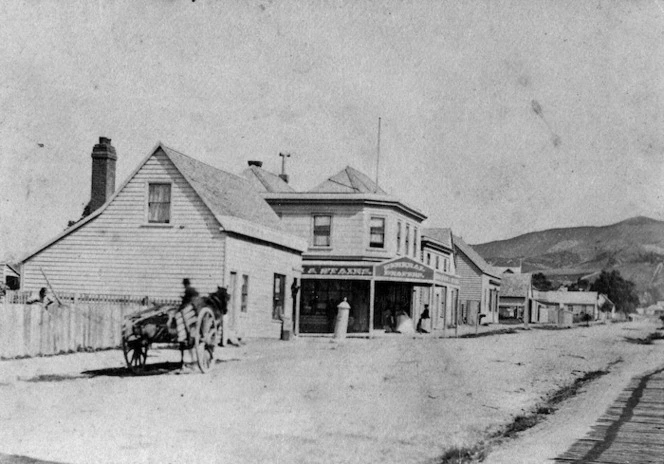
479,284
11,275
548,305
515,295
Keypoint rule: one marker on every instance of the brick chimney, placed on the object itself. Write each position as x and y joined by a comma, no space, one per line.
103,173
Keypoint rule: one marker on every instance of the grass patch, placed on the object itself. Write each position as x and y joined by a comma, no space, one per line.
487,334
464,455
648,340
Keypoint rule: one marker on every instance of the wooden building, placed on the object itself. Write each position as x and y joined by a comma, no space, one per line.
548,306
362,244
176,217
10,275
438,253
515,295
479,282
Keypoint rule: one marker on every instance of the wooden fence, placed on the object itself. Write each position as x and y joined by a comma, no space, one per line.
82,322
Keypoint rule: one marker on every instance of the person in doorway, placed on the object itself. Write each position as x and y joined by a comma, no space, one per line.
388,320
422,324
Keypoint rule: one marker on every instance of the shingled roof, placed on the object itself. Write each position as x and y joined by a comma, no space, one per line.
348,180
224,193
515,285
467,250
265,181
438,234
231,199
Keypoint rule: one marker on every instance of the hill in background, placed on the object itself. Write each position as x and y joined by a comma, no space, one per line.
634,247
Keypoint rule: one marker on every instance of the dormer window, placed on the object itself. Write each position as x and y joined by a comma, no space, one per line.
159,204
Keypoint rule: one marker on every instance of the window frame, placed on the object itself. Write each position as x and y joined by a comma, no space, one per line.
148,203
407,240
383,228
313,230
399,238
244,293
278,315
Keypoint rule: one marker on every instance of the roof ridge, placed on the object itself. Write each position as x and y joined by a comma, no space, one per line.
202,162
260,178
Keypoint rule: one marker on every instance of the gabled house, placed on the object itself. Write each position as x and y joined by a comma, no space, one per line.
362,244
173,218
438,253
480,284
515,295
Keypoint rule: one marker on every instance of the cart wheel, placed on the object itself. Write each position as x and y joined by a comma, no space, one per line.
205,339
135,351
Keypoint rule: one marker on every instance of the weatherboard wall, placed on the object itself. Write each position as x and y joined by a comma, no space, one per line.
350,230
260,262
118,252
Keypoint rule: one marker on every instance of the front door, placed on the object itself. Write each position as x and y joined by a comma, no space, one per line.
230,319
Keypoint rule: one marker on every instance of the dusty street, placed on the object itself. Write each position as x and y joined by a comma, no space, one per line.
391,399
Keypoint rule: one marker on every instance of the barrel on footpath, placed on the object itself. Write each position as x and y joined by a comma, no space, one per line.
341,326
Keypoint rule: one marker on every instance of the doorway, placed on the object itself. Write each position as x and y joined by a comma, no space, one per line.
391,298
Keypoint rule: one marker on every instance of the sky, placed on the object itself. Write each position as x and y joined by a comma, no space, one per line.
497,117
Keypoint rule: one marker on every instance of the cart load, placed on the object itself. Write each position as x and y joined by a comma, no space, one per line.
195,327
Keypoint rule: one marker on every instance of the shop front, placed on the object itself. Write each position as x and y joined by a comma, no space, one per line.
324,287
377,294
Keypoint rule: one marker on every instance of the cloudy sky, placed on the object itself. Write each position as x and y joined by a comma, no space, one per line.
498,117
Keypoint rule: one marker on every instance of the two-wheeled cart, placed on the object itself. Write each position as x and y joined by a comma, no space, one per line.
197,330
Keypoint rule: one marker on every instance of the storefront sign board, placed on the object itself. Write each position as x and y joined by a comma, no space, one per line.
342,271
405,268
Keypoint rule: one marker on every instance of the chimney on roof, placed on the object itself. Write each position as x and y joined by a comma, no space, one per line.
103,173
283,174
255,163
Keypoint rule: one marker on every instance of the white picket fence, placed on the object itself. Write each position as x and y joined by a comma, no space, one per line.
81,323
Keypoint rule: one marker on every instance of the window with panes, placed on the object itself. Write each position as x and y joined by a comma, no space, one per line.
159,203
322,230
377,232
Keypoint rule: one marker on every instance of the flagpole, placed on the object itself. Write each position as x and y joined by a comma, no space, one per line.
377,157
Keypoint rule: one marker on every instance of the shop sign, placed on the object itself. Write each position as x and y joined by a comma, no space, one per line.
338,270
446,279
405,268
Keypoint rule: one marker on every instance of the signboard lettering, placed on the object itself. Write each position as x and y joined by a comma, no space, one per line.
405,268
338,270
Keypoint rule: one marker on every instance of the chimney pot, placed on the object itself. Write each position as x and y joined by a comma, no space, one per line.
255,163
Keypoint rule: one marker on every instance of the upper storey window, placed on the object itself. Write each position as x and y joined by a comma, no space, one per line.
159,204
322,230
407,244
377,233
399,237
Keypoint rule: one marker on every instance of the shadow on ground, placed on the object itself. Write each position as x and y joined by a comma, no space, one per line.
163,368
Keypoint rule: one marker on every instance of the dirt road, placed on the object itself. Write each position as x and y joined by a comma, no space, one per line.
390,399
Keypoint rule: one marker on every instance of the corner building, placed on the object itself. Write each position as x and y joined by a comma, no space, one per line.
362,244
